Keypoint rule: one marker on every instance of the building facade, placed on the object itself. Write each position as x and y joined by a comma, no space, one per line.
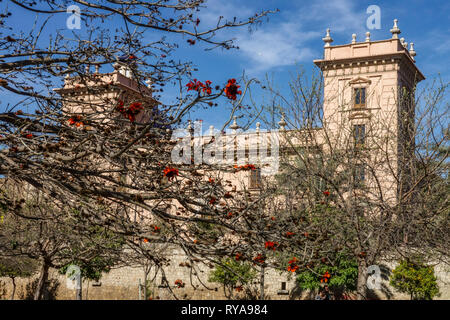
364,83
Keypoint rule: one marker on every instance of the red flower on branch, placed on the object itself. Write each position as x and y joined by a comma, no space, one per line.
131,111
245,167
199,86
238,288
292,265
212,200
27,135
156,229
76,120
170,173
179,283
207,88
326,276
326,193
271,245
120,107
289,234
259,258
232,89
238,256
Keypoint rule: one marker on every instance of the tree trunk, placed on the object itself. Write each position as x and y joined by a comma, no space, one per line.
43,277
13,287
145,284
261,288
87,290
361,287
79,288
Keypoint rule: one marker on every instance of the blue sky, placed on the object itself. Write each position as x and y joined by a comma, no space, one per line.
293,36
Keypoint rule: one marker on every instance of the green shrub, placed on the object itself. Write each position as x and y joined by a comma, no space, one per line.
343,276
231,273
416,279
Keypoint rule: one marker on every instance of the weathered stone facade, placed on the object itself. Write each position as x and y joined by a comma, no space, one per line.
123,284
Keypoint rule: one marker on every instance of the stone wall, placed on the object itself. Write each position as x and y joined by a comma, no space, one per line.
123,284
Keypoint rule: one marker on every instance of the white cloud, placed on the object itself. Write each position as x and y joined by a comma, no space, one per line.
340,15
209,16
275,44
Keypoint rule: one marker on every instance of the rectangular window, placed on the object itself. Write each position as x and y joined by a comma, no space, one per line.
255,178
360,173
359,134
359,97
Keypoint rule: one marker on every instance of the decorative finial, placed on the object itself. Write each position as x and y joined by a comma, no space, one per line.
97,68
395,30
148,82
412,52
211,130
258,125
282,122
88,67
404,43
367,36
354,38
189,127
234,126
327,38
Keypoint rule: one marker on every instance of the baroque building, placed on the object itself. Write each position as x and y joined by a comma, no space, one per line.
365,83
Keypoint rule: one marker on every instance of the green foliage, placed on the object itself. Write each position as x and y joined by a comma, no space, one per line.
416,279
91,269
232,273
343,275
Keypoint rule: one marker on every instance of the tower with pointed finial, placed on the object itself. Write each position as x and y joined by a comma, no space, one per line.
364,89
99,93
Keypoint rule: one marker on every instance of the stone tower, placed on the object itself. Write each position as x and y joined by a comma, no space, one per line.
95,95
369,98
